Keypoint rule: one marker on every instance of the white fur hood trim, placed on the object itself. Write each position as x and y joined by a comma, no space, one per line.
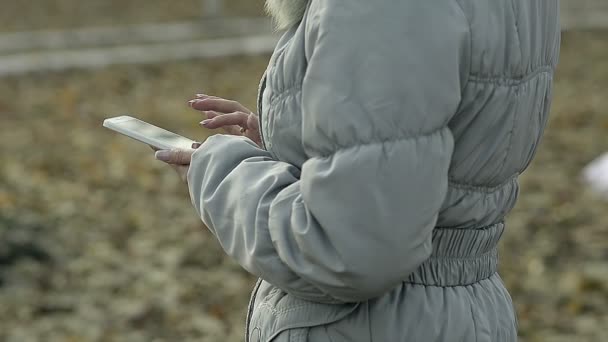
286,13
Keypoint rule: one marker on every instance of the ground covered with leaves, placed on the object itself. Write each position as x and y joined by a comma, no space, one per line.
98,241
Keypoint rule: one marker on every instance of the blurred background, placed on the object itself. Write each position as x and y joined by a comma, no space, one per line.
98,241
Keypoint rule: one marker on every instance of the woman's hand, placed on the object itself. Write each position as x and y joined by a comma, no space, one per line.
178,159
230,115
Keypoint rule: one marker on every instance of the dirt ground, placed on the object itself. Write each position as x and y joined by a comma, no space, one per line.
98,241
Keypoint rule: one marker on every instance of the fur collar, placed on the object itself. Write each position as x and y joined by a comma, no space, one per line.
286,13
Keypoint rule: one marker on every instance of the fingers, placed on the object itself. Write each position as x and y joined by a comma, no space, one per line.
236,118
253,124
210,114
217,104
222,113
231,129
204,96
177,157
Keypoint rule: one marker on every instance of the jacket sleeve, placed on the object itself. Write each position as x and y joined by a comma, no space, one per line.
383,80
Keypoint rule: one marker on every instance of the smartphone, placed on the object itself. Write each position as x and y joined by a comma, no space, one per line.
147,133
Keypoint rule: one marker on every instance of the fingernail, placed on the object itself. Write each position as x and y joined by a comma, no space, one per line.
205,122
200,95
191,102
162,155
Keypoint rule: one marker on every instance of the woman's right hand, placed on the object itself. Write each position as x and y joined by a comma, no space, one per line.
230,115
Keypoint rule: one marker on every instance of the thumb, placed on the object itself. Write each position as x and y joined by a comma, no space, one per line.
179,157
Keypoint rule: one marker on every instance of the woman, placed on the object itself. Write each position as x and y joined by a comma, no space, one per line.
392,133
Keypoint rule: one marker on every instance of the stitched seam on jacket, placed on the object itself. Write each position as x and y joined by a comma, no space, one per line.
511,81
521,53
274,310
474,319
511,135
493,252
488,227
327,333
469,74
451,286
284,93
480,188
383,141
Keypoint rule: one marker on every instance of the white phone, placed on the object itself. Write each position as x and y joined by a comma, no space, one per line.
147,133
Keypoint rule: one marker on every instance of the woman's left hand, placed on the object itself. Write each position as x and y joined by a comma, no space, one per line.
230,115
178,159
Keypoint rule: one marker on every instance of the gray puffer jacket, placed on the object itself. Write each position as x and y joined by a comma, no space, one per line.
394,134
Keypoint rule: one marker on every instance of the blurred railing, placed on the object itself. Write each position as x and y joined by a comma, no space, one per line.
210,37
212,7
214,35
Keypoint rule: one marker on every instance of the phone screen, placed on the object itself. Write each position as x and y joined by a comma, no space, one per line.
148,133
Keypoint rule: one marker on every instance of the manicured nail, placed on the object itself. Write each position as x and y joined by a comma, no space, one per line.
206,122
162,155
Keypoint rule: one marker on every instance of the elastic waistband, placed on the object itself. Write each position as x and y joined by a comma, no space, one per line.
461,256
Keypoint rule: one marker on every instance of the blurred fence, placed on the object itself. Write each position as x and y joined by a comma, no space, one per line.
212,7
213,35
